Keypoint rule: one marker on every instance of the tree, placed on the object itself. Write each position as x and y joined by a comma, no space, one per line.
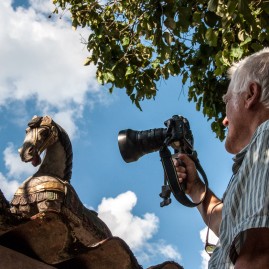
135,43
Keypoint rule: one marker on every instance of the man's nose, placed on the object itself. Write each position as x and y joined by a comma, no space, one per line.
225,122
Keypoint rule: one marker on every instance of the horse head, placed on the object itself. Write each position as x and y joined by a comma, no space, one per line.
40,134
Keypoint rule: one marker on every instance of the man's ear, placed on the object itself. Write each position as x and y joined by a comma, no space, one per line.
253,95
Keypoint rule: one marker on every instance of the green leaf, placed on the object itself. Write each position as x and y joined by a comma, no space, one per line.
211,19
197,17
87,61
168,38
108,77
155,64
165,72
246,41
242,35
265,6
232,6
111,89
243,8
185,77
212,5
225,60
129,71
257,46
171,69
111,77
170,23
262,36
125,41
212,37
100,80
237,52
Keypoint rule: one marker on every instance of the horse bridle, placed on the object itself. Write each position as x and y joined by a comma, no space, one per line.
47,123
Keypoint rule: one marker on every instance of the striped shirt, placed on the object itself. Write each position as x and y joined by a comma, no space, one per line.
246,200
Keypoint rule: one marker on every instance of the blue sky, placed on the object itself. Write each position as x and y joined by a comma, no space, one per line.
42,72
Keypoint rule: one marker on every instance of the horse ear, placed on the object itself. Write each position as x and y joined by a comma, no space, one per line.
47,120
35,121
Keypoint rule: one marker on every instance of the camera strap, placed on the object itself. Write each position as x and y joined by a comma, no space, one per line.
178,189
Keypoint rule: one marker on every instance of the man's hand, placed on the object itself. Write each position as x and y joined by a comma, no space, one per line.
187,173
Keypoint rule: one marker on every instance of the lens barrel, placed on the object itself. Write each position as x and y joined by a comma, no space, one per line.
135,144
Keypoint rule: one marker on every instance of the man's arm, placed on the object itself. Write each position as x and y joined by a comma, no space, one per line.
195,188
211,208
255,251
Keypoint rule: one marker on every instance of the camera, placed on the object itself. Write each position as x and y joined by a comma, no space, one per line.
178,135
134,144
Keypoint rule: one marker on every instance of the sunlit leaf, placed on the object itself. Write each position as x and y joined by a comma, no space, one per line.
129,71
125,41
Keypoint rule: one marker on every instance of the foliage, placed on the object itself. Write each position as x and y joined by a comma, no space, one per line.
135,43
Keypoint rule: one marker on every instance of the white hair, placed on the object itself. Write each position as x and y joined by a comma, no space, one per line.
254,68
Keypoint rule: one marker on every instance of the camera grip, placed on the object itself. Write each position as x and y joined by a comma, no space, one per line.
182,185
178,189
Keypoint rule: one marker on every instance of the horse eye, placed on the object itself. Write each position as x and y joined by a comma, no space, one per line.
44,132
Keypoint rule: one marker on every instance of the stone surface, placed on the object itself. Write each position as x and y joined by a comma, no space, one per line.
11,259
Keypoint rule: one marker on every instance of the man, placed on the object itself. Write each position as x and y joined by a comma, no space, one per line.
241,218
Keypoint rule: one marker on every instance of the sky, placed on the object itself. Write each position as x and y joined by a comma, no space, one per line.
42,73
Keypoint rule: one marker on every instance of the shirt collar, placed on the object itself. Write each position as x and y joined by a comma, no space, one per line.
238,159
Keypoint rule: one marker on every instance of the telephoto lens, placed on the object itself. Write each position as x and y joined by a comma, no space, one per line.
135,144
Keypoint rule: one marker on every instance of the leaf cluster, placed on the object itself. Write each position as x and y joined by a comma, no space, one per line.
136,43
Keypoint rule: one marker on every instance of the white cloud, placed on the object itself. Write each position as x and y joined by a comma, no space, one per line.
65,119
160,251
18,171
136,231
8,187
168,251
213,239
44,58
16,168
43,61
116,212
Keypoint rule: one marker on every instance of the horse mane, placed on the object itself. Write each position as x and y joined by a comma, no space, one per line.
65,141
